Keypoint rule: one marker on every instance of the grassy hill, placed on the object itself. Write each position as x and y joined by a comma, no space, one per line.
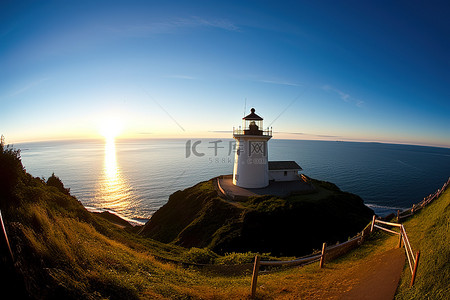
292,226
429,232
64,252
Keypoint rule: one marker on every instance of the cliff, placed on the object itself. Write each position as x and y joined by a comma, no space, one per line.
292,226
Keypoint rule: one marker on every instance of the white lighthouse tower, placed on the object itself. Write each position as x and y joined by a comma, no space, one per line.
251,168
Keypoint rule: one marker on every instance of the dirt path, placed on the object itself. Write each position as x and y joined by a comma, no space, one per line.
376,278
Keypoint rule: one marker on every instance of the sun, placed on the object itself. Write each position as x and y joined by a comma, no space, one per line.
111,128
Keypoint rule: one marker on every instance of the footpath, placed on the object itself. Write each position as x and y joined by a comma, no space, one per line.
375,278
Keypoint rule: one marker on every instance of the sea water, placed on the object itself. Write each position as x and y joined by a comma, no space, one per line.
133,178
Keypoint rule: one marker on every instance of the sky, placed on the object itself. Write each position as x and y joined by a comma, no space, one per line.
375,71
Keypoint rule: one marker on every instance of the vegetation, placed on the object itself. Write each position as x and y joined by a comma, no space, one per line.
10,172
294,226
200,256
57,183
63,251
428,232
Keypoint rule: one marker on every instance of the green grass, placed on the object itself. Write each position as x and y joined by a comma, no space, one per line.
65,252
198,217
310,282
323,190
68,255
75,258
77,255
429,232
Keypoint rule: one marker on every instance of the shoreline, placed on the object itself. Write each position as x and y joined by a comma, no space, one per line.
130,221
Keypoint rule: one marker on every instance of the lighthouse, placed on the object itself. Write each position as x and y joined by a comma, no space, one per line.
251,168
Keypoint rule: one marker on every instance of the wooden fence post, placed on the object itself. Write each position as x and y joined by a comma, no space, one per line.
398,216
415,268
362,236
5,237
255,275
373,223
322,257
400,238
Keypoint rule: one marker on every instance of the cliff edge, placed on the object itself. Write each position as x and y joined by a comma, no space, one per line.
291,226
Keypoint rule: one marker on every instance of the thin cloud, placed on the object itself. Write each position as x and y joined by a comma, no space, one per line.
269,80
327,136
309,134
344,96
180,77
27,87
217,23
173,25
279,82
297,133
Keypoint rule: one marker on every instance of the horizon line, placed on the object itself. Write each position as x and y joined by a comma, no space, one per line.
342,140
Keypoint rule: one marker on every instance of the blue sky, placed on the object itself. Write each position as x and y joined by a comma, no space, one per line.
347,70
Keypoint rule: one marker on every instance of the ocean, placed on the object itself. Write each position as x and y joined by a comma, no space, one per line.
133,178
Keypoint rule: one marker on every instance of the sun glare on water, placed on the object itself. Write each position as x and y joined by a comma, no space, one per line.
113,191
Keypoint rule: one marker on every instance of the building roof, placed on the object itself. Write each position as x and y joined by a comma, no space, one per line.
252,116
284,165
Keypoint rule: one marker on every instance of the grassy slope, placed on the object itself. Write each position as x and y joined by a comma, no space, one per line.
198,217
310,282
65,252
429,232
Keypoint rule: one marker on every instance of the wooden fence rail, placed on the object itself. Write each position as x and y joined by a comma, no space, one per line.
295,262
331,252
385,229
328,253
413,261
388,223
427,200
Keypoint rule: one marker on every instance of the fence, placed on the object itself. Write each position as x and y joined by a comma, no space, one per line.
4,242
327,254
413,261
427,200
332,252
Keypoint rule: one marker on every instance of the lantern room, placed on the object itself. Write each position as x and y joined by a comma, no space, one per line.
252,124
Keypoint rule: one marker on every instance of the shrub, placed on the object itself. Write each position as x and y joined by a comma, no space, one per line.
199,256
11,169
236,258
56,182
